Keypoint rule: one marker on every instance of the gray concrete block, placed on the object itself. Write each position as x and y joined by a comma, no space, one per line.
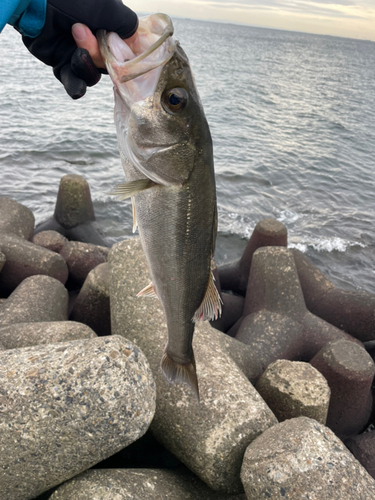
74,213
81,258
24,259
28,334
16,219
301,458
295,389
38,298
137,484
363,448
52,240
275,314
234,275
209,437
92,307
232,310
349,371
65,407
73,204
351,311
2,261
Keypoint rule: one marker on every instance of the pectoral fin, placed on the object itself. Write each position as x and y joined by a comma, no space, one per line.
210,307
128,189
175,372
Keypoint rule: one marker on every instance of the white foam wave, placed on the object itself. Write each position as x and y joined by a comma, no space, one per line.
234,223
288,217
326,245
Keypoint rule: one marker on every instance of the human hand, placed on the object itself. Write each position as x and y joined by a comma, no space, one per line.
85,39
73,52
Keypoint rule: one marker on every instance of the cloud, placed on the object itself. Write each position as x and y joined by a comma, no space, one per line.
317,8
350,18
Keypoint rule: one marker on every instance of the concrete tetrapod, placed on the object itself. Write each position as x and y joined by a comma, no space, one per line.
268,232
37,298
302,459
276,321
74,215
16,219
92,307
24,259
209,437
137,484
65,407
349,371
363,448
295,389
352,311
45,332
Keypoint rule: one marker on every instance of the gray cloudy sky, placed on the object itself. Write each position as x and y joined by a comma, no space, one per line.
350,18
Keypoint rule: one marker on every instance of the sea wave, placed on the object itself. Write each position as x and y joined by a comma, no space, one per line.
326,245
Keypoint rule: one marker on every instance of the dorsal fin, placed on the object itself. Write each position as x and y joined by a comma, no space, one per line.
210,307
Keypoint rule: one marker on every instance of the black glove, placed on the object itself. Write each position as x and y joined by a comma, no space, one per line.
56,47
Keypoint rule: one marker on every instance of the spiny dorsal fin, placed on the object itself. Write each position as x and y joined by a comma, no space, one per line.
210,307
176,372
135,223
148,291
128,189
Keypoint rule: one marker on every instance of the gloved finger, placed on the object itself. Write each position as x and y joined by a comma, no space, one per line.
74,86
84,67
85,39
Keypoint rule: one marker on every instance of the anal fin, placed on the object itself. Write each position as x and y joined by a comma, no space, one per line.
210,307
177,372
148,291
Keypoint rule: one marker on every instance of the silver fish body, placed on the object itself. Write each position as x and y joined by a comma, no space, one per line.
165,142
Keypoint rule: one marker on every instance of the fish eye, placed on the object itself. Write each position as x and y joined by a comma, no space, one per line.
174,100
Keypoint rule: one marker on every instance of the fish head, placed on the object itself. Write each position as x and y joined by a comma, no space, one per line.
161,126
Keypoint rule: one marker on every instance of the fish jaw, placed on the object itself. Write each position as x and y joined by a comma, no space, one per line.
135,75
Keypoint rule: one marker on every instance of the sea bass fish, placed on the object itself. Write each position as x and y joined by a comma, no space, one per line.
166,150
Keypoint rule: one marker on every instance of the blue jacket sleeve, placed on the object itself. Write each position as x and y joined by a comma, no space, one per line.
27,15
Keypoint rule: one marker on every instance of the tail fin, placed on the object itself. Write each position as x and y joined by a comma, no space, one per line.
175,372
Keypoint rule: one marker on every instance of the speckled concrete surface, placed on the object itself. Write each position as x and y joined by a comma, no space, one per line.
65,407
210,437
52,240
24,259
294,389
302,459
2,260
92,304
37,298
349,371
28,334
16,219
81,258
137,484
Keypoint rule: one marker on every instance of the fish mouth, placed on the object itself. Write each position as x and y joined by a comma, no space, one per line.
136,73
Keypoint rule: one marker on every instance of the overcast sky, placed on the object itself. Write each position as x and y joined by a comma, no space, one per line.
348,18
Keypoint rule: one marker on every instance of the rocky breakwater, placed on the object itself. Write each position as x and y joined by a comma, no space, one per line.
68,397
285,378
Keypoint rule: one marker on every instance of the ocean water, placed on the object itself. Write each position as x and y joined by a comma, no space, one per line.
292,119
